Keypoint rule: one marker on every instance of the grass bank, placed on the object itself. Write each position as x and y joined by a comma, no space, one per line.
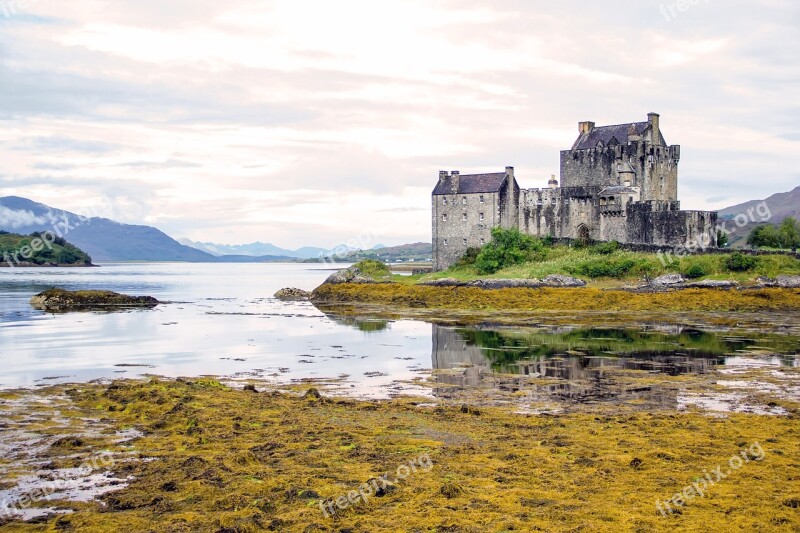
216,459
605,262
398,295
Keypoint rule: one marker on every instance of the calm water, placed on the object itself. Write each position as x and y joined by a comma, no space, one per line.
223,321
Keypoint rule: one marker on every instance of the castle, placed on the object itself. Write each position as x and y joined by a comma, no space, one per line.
618,183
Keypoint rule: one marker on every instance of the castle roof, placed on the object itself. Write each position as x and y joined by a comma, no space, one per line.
471,183
607,134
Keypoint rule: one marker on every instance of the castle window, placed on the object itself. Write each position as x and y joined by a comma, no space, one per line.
481,217
482,242
465,241
464,200
444,218
445,242
481,199
444,201
464,217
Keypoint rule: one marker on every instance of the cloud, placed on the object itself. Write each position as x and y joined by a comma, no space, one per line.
254,121
13,219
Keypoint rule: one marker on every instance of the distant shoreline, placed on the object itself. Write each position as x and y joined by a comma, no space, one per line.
34,265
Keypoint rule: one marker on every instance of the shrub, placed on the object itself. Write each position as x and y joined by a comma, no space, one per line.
609,268
605,248
373,268
469,257
695,271
738,262
508,247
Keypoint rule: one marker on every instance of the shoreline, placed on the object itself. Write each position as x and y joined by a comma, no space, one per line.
418,297
202,456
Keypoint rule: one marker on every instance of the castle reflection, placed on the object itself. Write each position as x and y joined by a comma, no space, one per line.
569,363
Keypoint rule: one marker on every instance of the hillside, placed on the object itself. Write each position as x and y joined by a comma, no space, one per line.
420,251
101,238
781,206
259,249
34,249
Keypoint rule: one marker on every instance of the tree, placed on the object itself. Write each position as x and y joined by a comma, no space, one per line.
789,233
722,239
508,247
765,235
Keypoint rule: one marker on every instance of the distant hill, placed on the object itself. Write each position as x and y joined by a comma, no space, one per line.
421,251
22,250
260,249
781,205
101,238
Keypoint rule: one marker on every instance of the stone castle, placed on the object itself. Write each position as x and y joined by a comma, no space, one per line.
618,183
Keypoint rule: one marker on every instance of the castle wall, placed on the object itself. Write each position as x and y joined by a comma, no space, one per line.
655,167
670,227
453,236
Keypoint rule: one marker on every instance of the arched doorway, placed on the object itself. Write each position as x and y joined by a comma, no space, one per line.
583,234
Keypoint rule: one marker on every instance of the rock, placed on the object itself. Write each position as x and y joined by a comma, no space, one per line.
560,280
62,300
444,282
668,280
555,280
351,275
506,283
291,294
711,284
788,282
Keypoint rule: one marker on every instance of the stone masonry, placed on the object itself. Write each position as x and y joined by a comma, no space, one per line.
618,183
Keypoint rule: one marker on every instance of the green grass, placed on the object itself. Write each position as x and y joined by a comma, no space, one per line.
596,263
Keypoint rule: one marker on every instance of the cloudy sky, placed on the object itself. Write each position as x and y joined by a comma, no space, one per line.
311,122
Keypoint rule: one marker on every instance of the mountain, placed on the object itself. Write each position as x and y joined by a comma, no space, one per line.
260,249
781,205
101,238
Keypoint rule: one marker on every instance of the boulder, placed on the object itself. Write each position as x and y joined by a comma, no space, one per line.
668,280
62,300
352,274
506,283
788,282
711,284
560,280
291,294
444,282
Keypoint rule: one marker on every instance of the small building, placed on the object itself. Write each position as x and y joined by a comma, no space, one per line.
618,183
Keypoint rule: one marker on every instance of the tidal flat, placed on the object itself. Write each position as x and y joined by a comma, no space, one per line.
197,455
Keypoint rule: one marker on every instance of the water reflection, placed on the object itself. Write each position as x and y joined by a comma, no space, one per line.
585,362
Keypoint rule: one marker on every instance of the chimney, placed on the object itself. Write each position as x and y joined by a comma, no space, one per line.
653,119
456,178
553,183
442,174
585,127
510,171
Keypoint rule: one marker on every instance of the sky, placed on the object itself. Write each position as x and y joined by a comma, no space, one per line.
312,122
